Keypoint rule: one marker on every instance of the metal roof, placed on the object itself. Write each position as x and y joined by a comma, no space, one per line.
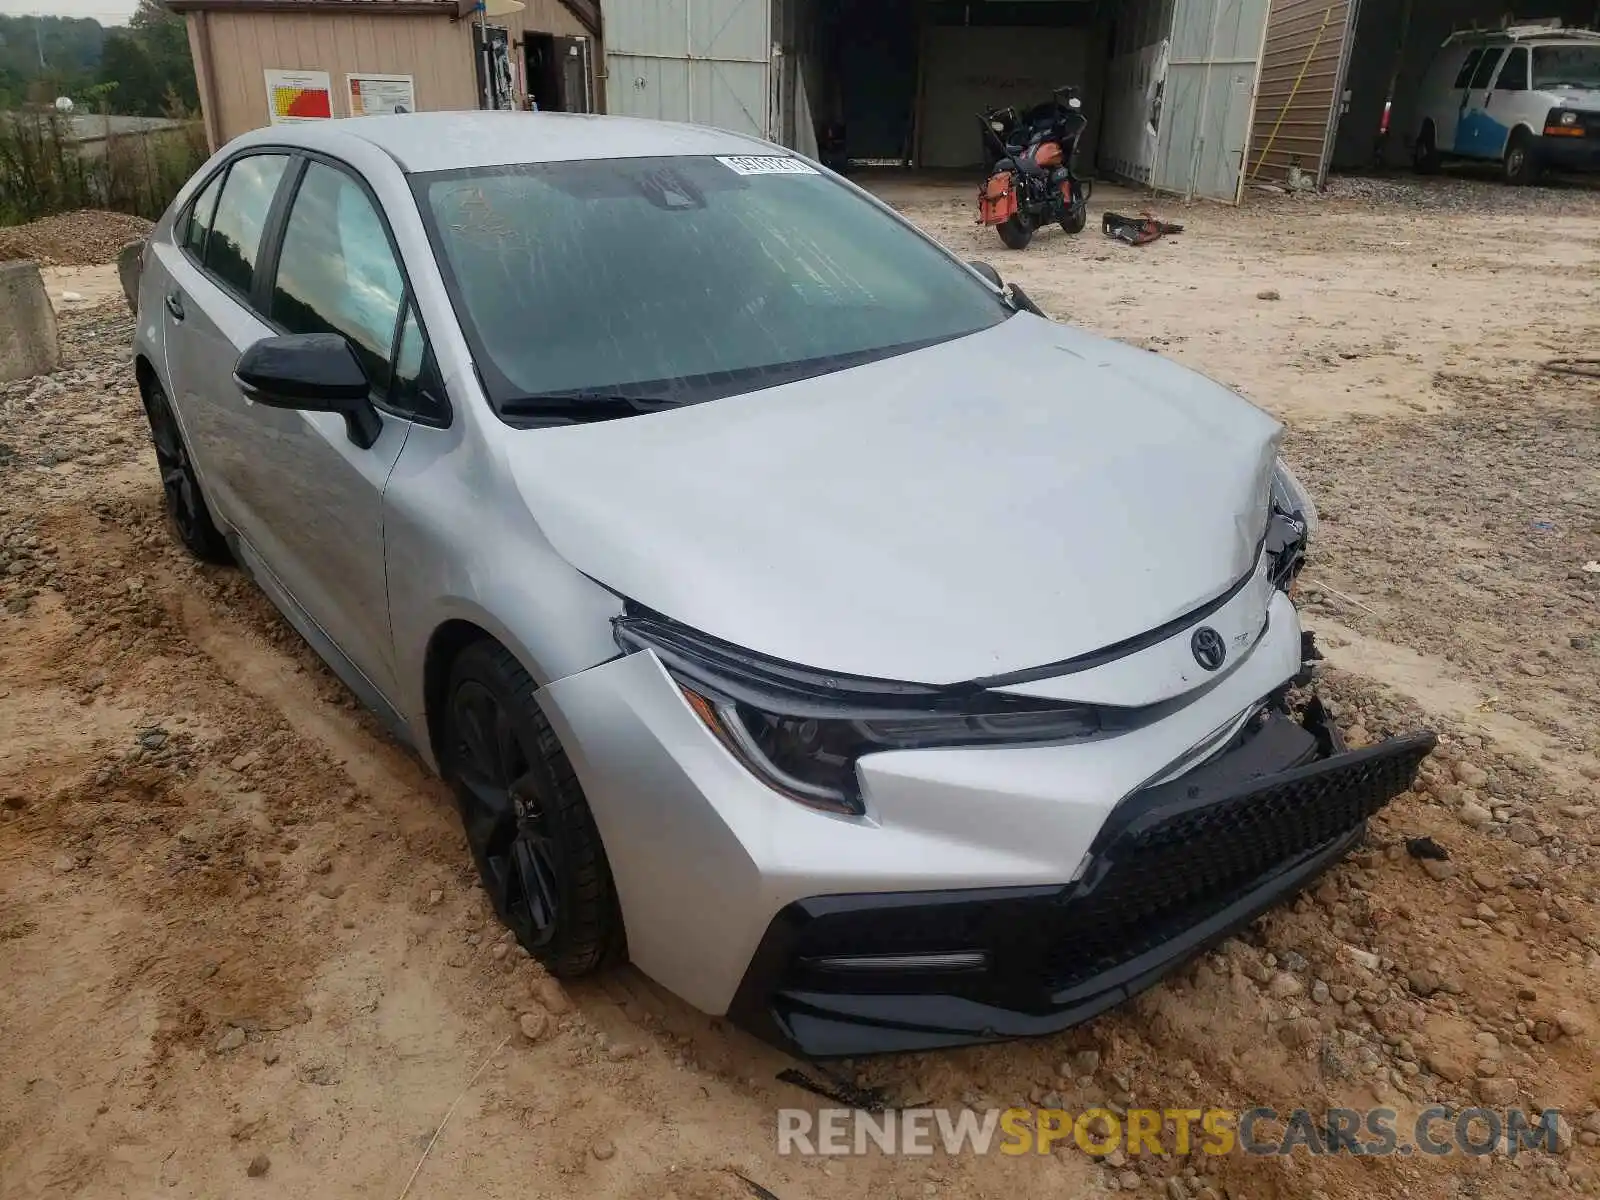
445,141
587,11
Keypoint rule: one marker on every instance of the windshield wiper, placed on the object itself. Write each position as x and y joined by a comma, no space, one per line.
581,406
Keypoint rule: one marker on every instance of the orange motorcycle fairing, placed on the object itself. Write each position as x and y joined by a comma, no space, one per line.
1048,155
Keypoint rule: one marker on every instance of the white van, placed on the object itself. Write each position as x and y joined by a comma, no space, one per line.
1527,97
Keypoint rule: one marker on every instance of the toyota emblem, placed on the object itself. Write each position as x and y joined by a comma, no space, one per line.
1209,648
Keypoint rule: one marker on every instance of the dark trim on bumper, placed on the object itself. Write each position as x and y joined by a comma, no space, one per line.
1177,868
1570,153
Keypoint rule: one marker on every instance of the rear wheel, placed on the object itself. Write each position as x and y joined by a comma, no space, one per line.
1519,166
1425,154
180,486
1016,232
527,822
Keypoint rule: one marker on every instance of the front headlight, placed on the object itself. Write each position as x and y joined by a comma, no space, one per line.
1569,118
802,731
1290,496
1290,523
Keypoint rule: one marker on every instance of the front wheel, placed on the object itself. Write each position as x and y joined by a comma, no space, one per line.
1016,232
1519,166
528,825
1077,217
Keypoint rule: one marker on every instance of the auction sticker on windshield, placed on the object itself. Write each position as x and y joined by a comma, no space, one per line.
765,164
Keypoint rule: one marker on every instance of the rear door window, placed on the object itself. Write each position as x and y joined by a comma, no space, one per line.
1464,75
235,241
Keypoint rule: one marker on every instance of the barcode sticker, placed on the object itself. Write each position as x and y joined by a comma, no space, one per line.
765,164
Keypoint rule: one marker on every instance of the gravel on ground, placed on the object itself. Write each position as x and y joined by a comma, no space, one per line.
77,239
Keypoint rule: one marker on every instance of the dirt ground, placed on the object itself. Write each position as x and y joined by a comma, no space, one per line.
242,953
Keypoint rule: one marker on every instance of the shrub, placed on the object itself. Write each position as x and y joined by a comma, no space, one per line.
45,170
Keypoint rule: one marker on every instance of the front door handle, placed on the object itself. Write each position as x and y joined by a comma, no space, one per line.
175,305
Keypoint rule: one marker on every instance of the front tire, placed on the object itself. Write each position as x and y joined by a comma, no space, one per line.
528,825
1016,232
1520,167
187,512
1077,217
1425,157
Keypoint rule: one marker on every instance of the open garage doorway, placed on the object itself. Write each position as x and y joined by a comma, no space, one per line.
558,72
1168,85
1341,79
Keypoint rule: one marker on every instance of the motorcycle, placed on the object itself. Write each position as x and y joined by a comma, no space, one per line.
1029,157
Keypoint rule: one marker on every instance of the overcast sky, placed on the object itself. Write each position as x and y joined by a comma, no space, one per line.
107,12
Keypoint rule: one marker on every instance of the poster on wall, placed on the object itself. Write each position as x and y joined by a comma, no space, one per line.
372,95
296,96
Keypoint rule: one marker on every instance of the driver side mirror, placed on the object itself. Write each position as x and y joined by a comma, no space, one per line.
989,273
312,372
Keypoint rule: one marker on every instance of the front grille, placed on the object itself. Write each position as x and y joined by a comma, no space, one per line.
1182,857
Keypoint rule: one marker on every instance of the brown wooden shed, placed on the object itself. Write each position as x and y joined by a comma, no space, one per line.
260,62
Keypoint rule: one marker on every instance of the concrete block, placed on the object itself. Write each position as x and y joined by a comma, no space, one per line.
129,260
28,343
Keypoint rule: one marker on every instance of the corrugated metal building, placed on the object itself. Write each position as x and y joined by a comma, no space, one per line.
1196,97
383,54
1169,84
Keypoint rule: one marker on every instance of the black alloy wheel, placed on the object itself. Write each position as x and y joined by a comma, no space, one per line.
180,486
527,823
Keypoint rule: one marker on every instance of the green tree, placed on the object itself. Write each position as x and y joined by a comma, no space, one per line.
165,38
133,82
45,57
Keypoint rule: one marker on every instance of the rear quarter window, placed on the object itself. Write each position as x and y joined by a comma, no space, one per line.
197,220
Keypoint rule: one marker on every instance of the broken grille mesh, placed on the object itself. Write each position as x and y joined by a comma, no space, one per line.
1152,882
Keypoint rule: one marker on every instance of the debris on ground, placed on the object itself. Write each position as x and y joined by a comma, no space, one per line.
1587,368
1427,848
84,238
1136,231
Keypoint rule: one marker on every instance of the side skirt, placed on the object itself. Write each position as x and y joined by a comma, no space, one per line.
325,647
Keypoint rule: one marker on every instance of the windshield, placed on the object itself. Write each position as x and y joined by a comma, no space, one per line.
1566,66
682,279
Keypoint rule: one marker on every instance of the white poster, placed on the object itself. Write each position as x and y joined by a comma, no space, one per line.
295,96
372,95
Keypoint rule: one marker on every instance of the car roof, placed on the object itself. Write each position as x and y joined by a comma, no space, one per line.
1524,35
444,141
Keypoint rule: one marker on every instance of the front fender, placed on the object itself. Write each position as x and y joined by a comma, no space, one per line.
459,545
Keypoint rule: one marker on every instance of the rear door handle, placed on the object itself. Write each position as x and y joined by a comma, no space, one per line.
175,305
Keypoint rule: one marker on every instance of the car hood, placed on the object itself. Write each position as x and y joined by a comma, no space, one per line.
1587,99
1001,501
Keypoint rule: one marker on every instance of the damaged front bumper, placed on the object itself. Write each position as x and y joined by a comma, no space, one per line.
1176,867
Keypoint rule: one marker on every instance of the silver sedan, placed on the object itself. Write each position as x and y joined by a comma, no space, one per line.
793,609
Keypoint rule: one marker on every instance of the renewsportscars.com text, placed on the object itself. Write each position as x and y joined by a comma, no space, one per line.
1435,1131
